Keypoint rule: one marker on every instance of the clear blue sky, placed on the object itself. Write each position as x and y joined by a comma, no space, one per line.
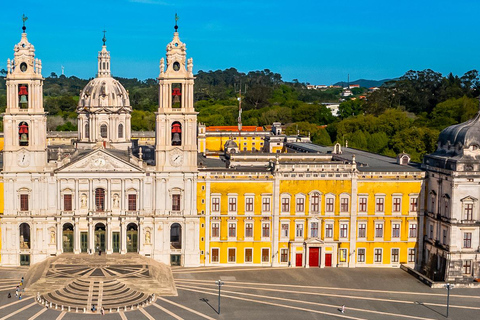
313,41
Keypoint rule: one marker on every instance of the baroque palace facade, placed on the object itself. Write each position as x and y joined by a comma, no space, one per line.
194,195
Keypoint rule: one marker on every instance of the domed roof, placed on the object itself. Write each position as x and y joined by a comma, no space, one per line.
462,135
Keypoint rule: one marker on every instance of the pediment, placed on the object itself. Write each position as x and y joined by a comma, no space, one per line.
99,160
314,241
469,199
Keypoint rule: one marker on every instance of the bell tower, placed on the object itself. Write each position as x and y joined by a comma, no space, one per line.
24,121
176,120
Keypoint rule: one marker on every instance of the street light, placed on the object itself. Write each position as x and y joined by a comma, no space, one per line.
448,286
220,283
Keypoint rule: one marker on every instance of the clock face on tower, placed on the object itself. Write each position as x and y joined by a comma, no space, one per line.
176,159
23,159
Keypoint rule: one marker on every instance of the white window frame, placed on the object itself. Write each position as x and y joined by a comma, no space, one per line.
235,198
375,256
398,256
261,256
311,204
342,232
342,255
362,222
264,201
211,230
245,230
410,255
269,230
344,197
212,210
329,197
247,198
228,255
364,255
301,229
410,201
229,223
245,255
329,223
394,198
379,197
300,197
410,224
281,255
399,223
211,255
282,197
360,198
381,223
282,235
311,229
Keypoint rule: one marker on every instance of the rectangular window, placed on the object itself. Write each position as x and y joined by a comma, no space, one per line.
343,255
232,230
300,205
67,202
284,232
175,202
380,205
444,236
343,230
378,255
468,211
467,266
265,230
362,204
265,255
314,230
299,230
132,202
285,205
283,255
231,255
467,239
329,205
379,230
216,204
397,204
328,230
248,230
248,255
232,204
315,205
266,204
362,230
249,204
361,255
395,255
431,231
215,254
412,231
395,230
411,255
344,205
24,202
215,229
413,204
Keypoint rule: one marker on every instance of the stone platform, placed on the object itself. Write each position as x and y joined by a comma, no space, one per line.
75,282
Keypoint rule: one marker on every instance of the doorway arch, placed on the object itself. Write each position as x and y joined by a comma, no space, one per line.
67,237
132,237
100,235
176,236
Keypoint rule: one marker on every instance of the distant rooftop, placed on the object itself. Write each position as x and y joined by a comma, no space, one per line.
234,128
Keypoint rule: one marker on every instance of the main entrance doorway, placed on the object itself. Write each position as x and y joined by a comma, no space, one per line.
116,241
84,241
132,237
100,237
67,237
313,257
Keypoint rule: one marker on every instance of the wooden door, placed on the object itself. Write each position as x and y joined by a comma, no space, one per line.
313,254
298,260
328,259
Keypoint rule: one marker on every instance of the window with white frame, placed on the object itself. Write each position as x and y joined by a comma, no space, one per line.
216,204
468,211
395,255
328,230
467,267
379,230
343,255
467,239
215,229
248,255
266,204
265,255
361,255
396,230
232,254
299,230
314,229
249,204
329,204
67,202
411,255
232,204
379,204
215,256
284,230
315,202
285,204
378,255
284,255
232,229
266,230
344,204
343,230
249,230
397,204
300,204
362,204
362,230
412,230
413,204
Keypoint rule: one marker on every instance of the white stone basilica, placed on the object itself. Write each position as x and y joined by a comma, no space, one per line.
97,195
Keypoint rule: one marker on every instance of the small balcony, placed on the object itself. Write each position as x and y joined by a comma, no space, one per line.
67,213
24,213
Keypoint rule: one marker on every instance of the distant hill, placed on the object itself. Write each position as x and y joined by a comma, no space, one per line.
364,83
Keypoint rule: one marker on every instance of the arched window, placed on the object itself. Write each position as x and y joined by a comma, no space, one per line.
103,131
120,130
23,133
176,134
24,236
176,236
100,199
87,131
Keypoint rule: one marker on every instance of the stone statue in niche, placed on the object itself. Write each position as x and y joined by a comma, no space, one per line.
116,201
52,237
83,201
147,237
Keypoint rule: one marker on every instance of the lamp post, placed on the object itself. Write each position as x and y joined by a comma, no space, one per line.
220,283
448,286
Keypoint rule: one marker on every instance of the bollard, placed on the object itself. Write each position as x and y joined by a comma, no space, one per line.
62,307
69,309
84,310
110,310
76,309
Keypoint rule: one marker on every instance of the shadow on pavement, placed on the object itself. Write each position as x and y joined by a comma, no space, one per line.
421,303
206,301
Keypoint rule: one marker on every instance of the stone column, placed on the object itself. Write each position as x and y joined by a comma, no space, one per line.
76,236
59,237
123,236
141,236
91,234
109,235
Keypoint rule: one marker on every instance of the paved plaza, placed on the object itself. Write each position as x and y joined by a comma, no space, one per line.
273,293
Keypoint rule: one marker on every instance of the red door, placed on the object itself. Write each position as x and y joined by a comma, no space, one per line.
313,254
328,259
298,260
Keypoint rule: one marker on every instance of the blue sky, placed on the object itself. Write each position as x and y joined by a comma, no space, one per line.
313,41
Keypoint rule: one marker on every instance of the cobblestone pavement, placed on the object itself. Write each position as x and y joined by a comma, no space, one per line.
274,293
